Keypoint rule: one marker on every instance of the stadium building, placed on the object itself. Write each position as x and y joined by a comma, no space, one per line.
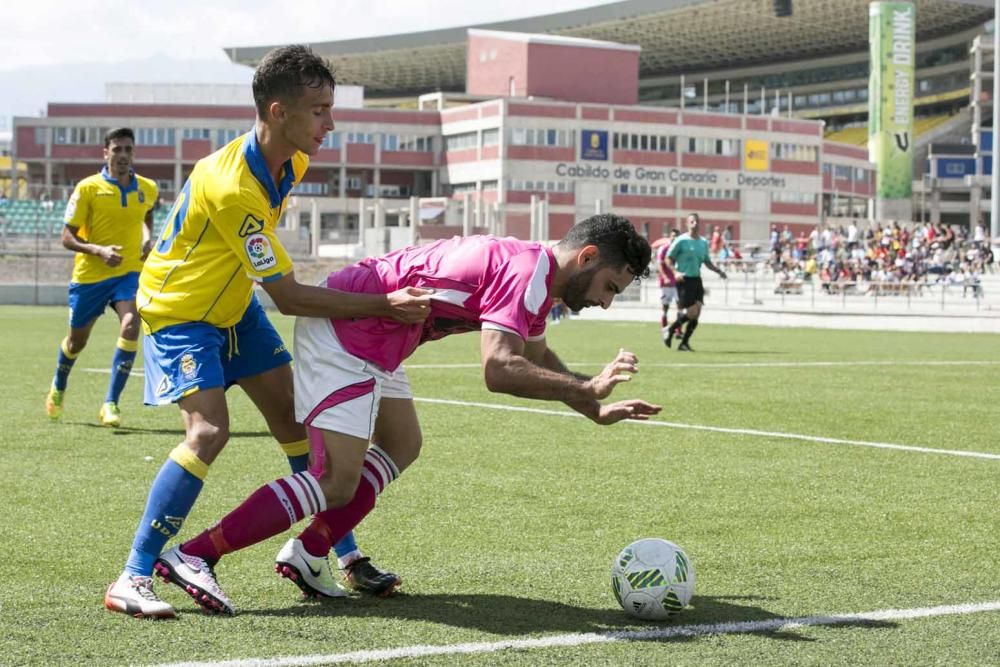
652,109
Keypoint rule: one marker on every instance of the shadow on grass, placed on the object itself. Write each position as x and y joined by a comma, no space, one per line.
508,615
133,430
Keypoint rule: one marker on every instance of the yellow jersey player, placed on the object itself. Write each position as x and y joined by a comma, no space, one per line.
109,223
206,331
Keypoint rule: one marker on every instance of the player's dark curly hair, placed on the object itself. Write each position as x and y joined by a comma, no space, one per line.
283,72
617,241
118,133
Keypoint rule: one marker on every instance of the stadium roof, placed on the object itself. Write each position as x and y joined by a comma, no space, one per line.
676,36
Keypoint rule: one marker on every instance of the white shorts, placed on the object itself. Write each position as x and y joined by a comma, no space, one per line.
668,295
335,390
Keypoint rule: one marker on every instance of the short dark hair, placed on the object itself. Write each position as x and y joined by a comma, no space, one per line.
617,241
697,218
283,72
118,133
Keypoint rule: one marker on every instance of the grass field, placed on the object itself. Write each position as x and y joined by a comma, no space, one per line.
504,531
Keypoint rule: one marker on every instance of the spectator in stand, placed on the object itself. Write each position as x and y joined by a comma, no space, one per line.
727,235
979,235
852,236
3,198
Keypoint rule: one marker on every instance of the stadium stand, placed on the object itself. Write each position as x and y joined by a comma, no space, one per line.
28,216
857,135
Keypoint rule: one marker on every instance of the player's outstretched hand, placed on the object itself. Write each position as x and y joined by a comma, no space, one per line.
410,305
110,255
630,409
619,370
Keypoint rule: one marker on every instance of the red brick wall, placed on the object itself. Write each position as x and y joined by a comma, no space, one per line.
583,74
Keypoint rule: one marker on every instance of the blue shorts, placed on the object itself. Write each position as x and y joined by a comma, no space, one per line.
184,358
87,301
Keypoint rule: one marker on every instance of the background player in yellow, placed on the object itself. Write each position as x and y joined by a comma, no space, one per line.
205,329
109,224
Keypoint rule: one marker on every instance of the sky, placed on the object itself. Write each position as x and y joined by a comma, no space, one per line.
66,50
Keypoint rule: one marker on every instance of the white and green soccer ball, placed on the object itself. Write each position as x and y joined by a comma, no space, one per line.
652,579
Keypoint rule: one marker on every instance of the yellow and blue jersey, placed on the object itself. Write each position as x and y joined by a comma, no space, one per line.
219,239
105,213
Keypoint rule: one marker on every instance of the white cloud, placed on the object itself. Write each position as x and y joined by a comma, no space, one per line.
47,32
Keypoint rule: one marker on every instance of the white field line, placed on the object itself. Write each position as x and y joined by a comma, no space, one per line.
582,639
721,429
747,364
701,427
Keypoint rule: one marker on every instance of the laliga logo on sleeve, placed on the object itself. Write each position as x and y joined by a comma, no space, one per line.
260,252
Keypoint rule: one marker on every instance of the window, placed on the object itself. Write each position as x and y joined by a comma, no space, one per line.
360,138
197,133
223,137
391,191
647,190
841,172
491,137
331,140
462,141
316,189
390,142
709,146
154,136
79,136
644,142
542,137
712,193
518,185
462,188
405,142
787,197
794,152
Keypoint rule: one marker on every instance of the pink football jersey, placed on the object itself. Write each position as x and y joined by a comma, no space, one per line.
479,282
661,259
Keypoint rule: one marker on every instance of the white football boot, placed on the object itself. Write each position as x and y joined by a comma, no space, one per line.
310,573
196,577
134,596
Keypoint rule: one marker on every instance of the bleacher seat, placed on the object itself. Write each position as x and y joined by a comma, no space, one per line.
856,136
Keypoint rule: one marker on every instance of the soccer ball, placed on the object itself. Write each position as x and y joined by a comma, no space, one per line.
652,579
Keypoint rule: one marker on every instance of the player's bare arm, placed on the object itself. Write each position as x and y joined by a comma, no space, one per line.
713,267
410,305
147,235
539,352
71,241
508,370
678,275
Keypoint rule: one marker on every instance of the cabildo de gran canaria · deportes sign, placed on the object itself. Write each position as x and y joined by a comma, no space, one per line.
671,176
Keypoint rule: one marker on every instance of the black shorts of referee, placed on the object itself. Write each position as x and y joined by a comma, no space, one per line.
689,292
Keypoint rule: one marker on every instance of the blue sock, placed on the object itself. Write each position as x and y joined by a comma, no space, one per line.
63,366
346,545
121,366
300,463
171,497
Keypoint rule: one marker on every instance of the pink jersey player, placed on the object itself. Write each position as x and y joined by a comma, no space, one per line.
665,273
353,394
479,282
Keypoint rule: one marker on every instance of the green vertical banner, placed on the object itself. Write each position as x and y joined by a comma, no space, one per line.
892,38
